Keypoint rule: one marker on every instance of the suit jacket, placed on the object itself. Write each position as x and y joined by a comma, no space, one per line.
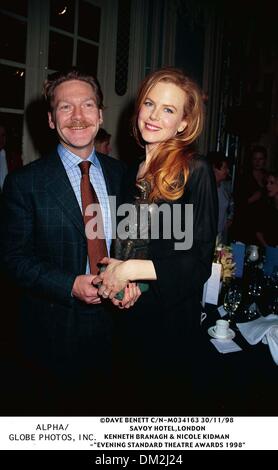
44,248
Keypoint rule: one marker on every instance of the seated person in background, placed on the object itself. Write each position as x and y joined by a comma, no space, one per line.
102,142
224,189
250,190
9,159
267,224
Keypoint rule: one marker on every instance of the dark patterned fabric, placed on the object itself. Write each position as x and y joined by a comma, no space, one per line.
43,249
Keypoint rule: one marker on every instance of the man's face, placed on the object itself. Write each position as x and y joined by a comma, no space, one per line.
104,147
2,137
75,116
222,172
258,161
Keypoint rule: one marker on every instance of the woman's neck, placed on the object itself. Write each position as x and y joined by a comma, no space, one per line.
142,170
259,176
150,151
218,180
143,167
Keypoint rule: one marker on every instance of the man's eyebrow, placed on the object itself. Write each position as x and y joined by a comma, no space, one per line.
88,98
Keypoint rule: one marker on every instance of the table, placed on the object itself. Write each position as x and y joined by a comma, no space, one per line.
239,383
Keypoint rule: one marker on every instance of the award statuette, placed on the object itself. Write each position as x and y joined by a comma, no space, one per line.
135,246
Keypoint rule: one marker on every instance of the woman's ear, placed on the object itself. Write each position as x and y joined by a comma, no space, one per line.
183,126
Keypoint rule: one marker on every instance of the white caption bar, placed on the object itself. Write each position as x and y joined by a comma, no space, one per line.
150,433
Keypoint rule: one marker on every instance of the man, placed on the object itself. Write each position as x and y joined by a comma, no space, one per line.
66,327
225,197
9,160
102,142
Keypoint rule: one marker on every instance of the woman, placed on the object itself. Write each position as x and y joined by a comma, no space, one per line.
267,223
250,191
157,332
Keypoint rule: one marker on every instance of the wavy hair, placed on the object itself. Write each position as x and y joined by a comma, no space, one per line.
169,167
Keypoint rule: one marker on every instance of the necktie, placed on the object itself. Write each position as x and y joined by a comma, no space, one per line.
96,246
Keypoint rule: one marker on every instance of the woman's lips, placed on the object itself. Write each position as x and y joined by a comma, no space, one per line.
151,127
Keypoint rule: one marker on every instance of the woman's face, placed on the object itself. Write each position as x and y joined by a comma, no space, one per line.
161,115
272,186
258,161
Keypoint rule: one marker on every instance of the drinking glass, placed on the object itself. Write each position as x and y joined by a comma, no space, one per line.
232,301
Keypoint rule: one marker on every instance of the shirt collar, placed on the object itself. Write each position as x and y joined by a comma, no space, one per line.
70,160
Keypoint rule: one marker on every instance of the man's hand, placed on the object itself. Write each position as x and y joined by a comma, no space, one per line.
113,279
84,290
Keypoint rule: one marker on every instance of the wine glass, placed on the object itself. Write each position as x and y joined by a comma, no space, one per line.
253,253
232,301
249,312
254,294
272,306
255,289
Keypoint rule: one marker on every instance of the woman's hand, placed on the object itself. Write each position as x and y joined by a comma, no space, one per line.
256,196
113,279
131,295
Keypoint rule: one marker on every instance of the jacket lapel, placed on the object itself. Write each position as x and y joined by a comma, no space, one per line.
59,185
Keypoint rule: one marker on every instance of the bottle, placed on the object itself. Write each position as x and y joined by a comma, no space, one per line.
253,253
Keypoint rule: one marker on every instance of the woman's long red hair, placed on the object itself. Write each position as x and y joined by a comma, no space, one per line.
169,167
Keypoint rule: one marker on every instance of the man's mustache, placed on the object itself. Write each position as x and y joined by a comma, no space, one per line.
75,124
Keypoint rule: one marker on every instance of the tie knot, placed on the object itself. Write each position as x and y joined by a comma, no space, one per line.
84,167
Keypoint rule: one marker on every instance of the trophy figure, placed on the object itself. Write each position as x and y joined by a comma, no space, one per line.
136,245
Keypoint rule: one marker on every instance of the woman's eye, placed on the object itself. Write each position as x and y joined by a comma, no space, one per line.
148,103
168,110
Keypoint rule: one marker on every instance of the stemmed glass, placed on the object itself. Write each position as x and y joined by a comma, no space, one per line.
254,301
255,289
232,301
272,306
